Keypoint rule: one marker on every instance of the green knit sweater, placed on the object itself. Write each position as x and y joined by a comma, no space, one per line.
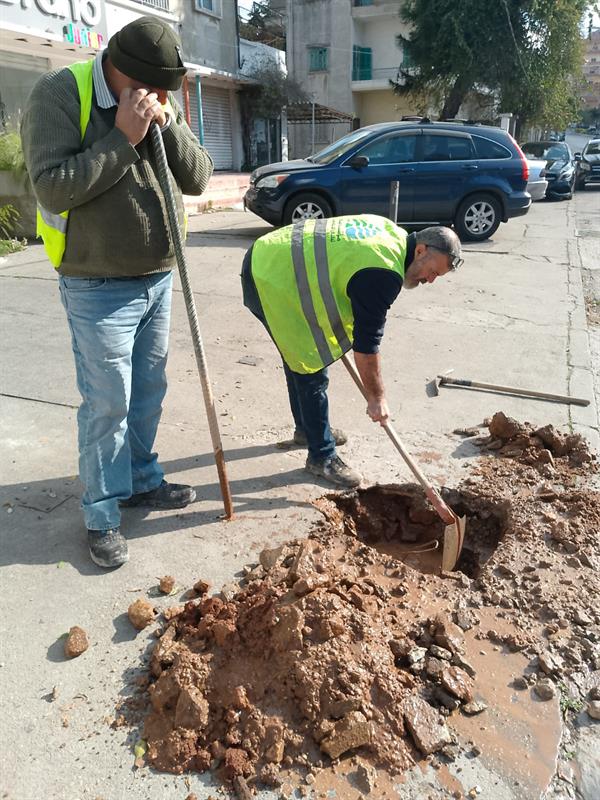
118,223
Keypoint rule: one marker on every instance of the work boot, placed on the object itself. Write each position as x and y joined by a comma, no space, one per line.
334,470
167,495
339,436
108,548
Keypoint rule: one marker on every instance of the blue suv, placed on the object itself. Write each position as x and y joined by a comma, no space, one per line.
471,176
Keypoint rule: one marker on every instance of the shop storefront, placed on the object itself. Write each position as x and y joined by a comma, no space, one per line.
40,35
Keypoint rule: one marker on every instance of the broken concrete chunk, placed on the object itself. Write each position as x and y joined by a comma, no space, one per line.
270,556
549,663
76,642
440,652
458,683
474,707
448,635
141,613
425,724
349,733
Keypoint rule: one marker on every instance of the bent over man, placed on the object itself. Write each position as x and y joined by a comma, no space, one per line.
323,287
103,219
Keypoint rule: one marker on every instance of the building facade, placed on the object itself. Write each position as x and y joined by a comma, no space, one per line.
591,70
344,54
40,35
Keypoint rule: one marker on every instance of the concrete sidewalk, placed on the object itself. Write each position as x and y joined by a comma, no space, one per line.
514,314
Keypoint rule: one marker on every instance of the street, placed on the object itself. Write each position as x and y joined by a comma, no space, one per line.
514,314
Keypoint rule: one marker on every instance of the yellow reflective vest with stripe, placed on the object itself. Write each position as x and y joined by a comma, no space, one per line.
53,227
301,273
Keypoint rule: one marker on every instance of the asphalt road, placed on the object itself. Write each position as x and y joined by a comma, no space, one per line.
514,314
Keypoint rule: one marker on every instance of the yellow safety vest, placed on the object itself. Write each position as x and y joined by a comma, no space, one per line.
53,227
302,272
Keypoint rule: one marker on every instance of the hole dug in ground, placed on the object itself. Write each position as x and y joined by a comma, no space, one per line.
398,521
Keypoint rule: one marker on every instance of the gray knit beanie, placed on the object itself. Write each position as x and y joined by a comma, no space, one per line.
148,50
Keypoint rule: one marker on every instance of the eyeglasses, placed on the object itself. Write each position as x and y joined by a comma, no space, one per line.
455,261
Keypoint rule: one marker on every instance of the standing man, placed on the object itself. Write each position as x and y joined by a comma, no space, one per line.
103,219
323,287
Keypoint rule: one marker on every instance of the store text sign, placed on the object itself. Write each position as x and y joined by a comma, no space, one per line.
43,16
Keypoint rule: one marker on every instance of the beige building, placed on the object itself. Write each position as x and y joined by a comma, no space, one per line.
591,70
343,53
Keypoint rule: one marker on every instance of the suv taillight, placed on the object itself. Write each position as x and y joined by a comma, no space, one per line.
524,164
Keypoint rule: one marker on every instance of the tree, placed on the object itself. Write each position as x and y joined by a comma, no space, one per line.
263,24
527,52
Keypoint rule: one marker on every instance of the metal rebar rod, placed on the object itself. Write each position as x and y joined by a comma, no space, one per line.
164,178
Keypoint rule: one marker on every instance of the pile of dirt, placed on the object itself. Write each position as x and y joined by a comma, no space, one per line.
352,642
540,447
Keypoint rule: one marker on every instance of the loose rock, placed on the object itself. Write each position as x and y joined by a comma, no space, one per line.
141,613
76,642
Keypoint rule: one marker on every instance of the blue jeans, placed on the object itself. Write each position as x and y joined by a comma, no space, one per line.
307,393
120,335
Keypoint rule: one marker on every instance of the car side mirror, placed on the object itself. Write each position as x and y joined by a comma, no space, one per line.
577,156
358,162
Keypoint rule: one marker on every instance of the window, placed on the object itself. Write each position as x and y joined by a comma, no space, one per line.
446,148
362,60
391,150
317,59
486,148
209,6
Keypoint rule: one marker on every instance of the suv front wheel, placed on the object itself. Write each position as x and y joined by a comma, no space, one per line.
477,218
306,206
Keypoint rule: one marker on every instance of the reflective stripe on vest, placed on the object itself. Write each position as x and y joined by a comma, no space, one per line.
53,227
301,274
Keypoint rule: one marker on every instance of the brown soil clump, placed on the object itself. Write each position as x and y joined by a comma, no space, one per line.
166,584
352,642
76,642
141,613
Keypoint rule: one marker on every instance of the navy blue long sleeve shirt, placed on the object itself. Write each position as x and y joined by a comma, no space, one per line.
372,291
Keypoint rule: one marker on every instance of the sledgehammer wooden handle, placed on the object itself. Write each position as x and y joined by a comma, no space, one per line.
433,496
444,380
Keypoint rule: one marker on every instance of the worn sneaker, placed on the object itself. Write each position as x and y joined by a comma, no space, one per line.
339,436
335,471
108,548
167,495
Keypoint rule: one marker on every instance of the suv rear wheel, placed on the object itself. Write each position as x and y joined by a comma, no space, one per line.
306,206
477,218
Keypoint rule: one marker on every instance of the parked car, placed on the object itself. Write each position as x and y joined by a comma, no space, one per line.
471,176
560,166
588,164
537,184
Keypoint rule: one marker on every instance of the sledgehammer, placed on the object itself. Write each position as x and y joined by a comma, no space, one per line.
444,380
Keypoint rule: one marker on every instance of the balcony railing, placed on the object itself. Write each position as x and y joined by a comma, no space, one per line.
161,5
376,74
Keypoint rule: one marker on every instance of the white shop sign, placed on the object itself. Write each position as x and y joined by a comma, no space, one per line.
79,21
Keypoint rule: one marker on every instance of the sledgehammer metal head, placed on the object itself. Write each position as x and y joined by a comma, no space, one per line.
432,389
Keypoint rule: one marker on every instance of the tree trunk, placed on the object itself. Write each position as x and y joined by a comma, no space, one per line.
455,98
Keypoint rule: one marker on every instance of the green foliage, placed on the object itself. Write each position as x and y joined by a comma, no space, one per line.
568,703
11,152
8,216
528,53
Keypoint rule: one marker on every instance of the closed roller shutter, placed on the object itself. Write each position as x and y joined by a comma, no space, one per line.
216,116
